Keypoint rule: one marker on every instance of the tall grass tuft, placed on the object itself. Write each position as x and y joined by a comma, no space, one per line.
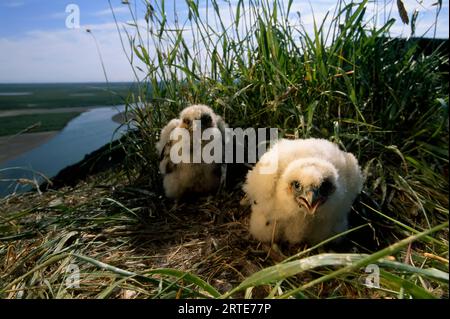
257,65
345,80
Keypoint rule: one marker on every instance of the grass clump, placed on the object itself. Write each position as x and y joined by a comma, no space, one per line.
384,99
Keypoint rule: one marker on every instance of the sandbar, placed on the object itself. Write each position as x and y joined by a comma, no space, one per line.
13,146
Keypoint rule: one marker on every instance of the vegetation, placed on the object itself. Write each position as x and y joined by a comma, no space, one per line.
29,97
380,98
53,95
31,123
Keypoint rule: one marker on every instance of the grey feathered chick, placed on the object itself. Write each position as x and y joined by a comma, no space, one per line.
183,179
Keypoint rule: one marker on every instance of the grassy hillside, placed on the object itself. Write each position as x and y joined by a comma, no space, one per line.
383,100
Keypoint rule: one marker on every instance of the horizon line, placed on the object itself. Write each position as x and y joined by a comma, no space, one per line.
71,82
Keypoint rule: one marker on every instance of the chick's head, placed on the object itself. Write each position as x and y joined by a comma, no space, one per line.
197,117
307,184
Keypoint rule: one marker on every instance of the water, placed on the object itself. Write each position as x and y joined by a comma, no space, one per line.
84,134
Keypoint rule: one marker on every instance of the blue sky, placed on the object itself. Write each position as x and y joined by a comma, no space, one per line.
17,17
36,45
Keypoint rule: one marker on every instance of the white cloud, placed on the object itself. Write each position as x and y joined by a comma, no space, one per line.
108,12
70,55
14,4
100,13
67,55
424,24
58,15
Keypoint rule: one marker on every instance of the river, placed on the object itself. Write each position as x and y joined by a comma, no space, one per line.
82,135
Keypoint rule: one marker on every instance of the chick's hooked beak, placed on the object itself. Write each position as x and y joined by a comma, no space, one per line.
311,200
186,124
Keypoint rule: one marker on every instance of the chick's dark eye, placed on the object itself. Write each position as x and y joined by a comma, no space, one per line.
296,185
327,188
205,119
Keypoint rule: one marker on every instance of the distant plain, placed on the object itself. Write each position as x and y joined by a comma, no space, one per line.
57,95
32,113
